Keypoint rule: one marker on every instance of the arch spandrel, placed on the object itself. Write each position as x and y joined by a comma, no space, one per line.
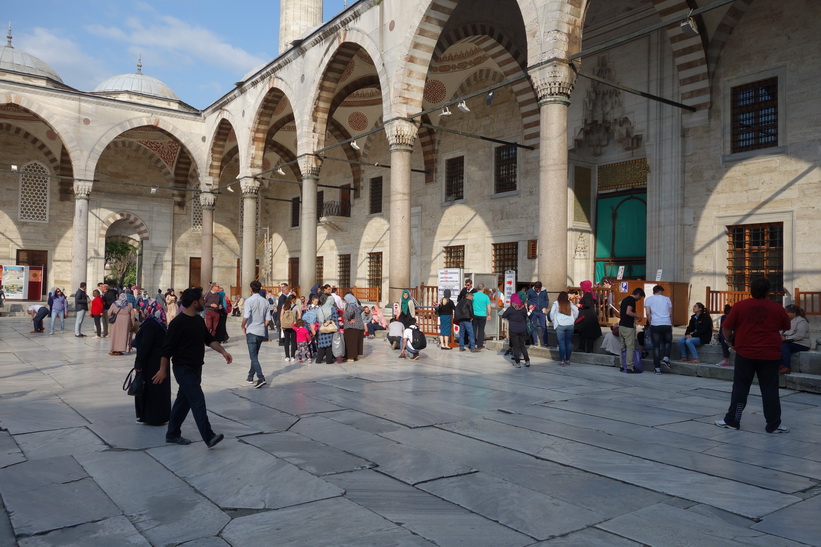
220,144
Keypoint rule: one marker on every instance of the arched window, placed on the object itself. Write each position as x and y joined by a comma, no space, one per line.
34,190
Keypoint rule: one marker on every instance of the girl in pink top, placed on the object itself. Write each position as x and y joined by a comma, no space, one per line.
303,339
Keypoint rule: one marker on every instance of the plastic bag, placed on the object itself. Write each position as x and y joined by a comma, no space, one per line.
338,345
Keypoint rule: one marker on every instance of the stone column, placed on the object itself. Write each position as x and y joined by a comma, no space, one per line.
553,84
79,250
309,166
208,201
401,136
250,195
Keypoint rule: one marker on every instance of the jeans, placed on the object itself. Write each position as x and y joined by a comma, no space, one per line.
688,343
41,314
254,342
662,336
466,326
373,327
565,335
787,349
540,322
54,315
189,398
78,322
743,374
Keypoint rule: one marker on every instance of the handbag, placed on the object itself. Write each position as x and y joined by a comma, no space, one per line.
133,383
112,317
328,327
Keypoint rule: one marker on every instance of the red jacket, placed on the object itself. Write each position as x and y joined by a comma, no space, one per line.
97,306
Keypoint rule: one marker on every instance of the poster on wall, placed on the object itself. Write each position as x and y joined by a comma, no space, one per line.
450,278
34,274
14,282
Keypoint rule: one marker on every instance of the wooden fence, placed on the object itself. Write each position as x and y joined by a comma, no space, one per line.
809,301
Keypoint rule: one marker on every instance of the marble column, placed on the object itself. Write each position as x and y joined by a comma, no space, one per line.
401,136
309,166
250,195
79,250
208,201
553,84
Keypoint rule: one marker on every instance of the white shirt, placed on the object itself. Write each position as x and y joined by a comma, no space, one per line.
409,337
562,320
659,307
257,310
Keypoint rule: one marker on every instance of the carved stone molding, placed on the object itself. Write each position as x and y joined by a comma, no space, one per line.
208,201
553,83
249,187
401,134
82,189
309,166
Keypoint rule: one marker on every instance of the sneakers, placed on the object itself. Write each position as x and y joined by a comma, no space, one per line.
632,371
395,345
402,356
259,383
415,357
516,364
666,363
722,423
723,363
460,349
780,429
657,370
527,363
475,350
784,370
250,380
287,359
177,440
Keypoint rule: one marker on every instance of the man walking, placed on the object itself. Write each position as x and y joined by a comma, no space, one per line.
255,318
481,314
627,331
537,298
756,324
81,308
185,346
464,316
659,311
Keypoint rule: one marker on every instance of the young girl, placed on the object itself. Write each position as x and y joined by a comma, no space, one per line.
303,339
97,311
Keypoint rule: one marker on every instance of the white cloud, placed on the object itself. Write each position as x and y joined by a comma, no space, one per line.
65,56
172,36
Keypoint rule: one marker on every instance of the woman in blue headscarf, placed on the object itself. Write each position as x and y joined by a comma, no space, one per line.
407,308
153,405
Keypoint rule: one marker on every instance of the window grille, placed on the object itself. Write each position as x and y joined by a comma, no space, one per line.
374,270
755,115
532,248
320,269
505,257
344,271
455,179
455,256
295,212
34,198
505,169
376,195
755,250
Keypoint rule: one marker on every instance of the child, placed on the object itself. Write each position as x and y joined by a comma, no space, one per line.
303,338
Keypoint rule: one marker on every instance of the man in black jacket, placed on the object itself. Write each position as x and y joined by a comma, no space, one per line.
464,317
81,307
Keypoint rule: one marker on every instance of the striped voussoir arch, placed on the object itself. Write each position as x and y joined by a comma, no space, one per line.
218,148
688,54
41,147
510,61
427,140
132,219
722,33
150,155
338,132
327,88
263,122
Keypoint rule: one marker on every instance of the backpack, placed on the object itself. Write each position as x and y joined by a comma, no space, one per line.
418,340
287,319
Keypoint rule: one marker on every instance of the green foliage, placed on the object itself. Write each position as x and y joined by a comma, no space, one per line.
121,262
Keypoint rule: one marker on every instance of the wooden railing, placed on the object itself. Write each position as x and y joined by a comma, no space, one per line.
603,311
808,301
427,320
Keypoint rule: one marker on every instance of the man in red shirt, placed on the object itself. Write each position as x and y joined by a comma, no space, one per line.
756,324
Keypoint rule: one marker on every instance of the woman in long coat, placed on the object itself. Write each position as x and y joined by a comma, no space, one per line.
354,328
171,305
326,312
153,406
121,329
587,325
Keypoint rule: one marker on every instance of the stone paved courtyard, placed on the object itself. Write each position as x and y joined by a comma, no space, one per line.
453,449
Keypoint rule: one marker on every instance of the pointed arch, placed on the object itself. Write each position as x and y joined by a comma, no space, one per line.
266,110
725,28
132,219
219,143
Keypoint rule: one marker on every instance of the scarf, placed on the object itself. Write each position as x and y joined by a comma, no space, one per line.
122,301
405,300
515,301
152,310
587,287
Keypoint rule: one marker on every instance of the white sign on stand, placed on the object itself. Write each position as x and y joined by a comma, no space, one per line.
510,285
450,278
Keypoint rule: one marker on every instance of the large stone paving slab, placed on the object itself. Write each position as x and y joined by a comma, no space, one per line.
799,522
112,531
316,458
235,475
426,515
29,415
72,441
10,453
45,495
335,522
162,507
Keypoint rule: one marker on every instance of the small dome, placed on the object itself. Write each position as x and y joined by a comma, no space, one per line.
15,60
137,83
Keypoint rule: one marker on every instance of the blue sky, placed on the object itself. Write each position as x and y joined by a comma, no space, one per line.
197,47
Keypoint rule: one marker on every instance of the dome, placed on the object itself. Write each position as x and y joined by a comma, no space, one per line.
15,60
137,83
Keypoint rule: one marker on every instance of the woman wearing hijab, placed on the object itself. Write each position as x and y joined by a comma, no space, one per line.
153,405
354,328
587,325
377,321
516,315
327,312
121,329
445,311
171,305
407,308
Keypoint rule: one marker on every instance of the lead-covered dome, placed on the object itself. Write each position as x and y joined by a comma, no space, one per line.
137,83
14,60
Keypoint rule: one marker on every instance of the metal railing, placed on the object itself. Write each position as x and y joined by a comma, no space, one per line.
335,209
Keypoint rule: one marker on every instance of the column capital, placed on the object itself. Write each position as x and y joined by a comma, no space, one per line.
82,189
309,165
401,134
208,201
553,83
249,187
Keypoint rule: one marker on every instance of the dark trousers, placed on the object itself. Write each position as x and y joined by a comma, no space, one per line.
189,397
98,324
289,335
41,314
325,354
725,348
662,342
479,323
105,323
745,370
517,341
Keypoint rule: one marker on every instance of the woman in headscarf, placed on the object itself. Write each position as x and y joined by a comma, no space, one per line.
407,308
587,325
171,305
326,312
445,311
516,315
354,328
121,329
153,405
377,321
